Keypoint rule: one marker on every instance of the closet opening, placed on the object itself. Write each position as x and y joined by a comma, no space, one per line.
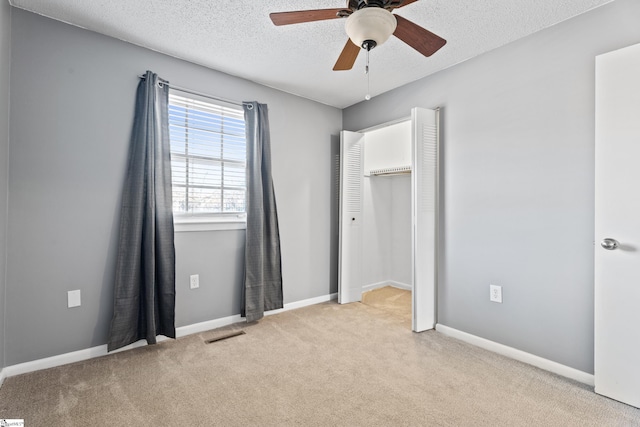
386,221
389,217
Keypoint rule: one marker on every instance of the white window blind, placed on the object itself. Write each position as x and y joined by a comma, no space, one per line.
208,157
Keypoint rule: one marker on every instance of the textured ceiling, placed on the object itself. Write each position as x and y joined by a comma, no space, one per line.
237,37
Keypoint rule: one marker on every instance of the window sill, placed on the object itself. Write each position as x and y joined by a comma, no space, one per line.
181,225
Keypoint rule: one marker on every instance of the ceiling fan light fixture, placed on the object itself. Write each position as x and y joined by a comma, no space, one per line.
370,24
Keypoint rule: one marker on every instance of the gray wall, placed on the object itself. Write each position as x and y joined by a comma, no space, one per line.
71,114
376,230
518,164
401,229
5,61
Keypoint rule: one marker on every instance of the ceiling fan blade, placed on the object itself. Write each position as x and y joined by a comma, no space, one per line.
300,16
424,41
348,57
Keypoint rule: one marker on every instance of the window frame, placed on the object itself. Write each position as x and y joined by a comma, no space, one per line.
207,221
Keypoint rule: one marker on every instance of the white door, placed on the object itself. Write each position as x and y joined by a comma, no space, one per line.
424,201
617,218
351,196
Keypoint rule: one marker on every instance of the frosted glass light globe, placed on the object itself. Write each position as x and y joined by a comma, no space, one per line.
370,23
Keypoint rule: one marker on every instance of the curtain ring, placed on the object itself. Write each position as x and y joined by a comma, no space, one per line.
250,107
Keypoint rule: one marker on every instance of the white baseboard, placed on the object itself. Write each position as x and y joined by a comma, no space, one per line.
372,286
196,328
101,350
72,357
400,285
393,283
303,303
522,356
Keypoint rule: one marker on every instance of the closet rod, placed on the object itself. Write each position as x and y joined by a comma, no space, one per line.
194,92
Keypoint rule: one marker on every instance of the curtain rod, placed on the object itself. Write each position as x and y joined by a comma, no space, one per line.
194,92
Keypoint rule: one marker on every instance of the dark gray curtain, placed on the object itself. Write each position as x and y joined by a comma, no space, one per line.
144,300
262,290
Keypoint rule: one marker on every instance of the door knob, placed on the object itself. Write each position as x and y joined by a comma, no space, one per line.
609,244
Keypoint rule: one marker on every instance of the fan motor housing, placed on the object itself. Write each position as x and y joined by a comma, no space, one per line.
371,3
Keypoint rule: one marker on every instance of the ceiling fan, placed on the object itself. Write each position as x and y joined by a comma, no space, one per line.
369,24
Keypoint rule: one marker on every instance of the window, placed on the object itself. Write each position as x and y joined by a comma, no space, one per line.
208,158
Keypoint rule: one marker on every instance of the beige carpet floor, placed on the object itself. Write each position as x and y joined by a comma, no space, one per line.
323,365
391,300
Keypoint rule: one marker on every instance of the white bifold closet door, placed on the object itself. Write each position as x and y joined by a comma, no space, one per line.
351,196
424,206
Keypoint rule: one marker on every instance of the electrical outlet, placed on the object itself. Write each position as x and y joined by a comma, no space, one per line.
194,281
73,298
495,293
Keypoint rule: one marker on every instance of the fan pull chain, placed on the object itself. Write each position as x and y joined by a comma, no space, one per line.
366,71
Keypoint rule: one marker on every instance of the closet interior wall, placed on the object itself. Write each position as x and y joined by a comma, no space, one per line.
386,239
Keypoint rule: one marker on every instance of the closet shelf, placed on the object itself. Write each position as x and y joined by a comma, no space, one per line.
399,170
